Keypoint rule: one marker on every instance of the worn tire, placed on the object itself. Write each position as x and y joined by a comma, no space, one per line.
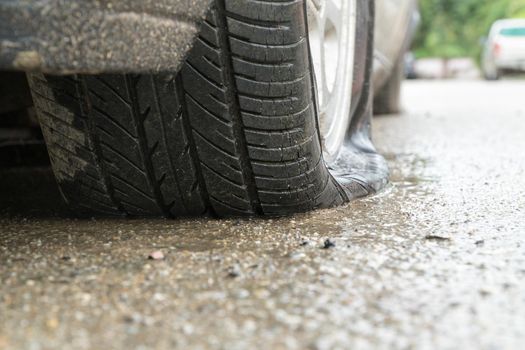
388,99
233,133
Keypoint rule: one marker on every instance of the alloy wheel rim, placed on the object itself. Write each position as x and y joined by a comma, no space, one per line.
332,33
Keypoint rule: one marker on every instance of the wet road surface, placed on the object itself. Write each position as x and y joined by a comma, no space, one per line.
437,260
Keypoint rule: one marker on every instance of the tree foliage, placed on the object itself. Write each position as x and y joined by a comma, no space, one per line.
453,28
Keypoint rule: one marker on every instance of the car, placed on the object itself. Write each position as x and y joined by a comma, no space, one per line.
396,22
185,108
504,49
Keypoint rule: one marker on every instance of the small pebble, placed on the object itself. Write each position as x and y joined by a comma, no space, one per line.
328,244
156,255
233,272
437,238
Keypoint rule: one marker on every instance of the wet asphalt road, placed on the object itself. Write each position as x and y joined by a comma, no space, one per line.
437,260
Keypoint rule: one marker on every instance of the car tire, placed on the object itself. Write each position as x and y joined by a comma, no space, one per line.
234,133
492,76
388,99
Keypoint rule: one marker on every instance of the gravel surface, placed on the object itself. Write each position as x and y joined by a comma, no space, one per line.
437,260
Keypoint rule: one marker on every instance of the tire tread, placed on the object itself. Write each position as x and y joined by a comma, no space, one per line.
233,133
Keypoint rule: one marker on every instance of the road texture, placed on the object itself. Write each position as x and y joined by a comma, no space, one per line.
437,260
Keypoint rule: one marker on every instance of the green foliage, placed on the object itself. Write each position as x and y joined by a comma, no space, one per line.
453,28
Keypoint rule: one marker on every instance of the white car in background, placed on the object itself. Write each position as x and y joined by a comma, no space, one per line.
504,49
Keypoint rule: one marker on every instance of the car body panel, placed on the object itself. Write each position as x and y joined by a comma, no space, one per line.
395,24
93,36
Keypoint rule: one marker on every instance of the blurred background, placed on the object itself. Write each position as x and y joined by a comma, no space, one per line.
454,34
